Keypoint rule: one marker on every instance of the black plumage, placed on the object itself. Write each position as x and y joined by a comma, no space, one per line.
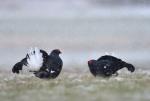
108,65
50,68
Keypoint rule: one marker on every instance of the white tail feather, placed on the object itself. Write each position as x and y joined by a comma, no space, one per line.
110,53
34,59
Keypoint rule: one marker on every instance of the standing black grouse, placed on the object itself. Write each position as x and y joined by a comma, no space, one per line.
41,64
108,65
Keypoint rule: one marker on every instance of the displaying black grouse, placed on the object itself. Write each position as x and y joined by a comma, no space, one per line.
108,65
40,63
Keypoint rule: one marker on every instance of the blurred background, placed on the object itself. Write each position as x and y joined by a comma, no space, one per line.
82,29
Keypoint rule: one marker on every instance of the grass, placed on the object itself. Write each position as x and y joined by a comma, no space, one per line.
75,87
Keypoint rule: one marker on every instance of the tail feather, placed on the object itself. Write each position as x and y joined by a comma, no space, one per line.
17,67
34,59
130,67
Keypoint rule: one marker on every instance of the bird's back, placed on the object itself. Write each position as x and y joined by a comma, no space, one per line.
116,62
110,58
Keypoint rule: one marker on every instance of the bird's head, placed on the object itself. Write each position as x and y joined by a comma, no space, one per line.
92,62
56,51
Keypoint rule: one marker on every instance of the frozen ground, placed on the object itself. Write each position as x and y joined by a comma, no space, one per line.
76,86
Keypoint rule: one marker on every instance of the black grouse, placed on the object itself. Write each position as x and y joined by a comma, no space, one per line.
41,64
108,65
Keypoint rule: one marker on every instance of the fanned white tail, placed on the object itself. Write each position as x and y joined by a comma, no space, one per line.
34,59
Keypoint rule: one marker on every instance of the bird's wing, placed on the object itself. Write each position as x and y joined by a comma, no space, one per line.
34,59
106,67
110,58
45,58
44,54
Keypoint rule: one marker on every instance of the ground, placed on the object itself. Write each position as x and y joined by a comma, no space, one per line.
73,86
